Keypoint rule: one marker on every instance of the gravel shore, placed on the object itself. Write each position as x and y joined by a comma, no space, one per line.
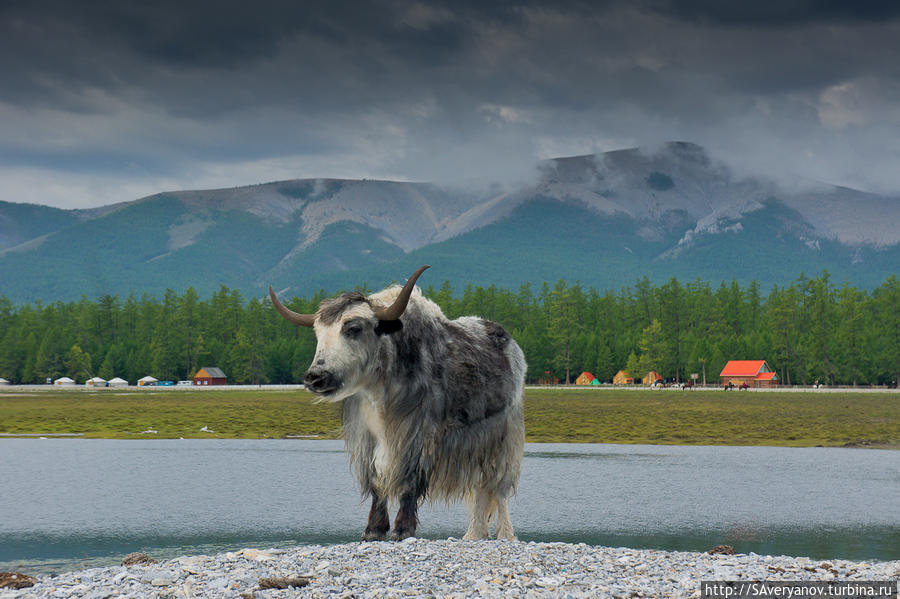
443,569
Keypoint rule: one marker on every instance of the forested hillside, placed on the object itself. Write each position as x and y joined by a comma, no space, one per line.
23,222
810,330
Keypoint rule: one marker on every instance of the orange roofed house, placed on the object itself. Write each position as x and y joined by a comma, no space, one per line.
756,373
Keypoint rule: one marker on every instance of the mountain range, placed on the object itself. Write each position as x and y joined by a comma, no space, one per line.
603,220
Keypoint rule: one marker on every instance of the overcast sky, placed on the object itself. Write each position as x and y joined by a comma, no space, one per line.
112,100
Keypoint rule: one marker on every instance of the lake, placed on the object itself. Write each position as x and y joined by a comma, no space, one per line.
69,504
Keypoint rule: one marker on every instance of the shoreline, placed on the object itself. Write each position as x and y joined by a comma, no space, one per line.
446,568
570,415
153,437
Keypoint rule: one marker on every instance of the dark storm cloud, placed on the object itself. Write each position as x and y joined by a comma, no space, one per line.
187,91
780,13
184,55
113,44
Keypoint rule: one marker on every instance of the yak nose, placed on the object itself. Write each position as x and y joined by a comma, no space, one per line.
319,380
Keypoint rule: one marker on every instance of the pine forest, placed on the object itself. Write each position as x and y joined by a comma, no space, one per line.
811,331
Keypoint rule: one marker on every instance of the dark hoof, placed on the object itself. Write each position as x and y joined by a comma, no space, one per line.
399,535
373,535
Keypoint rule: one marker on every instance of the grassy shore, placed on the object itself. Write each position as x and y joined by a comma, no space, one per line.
595,416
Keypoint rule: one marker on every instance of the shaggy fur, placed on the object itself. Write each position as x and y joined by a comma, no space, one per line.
432,408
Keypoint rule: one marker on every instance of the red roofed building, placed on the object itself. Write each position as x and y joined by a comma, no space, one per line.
755,373
652,378
585,378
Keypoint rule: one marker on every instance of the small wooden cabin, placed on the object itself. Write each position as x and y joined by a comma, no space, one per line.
756,373
585,378
210,375
652,378
548,379
623,378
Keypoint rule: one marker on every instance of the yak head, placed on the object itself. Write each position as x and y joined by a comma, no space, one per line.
347,328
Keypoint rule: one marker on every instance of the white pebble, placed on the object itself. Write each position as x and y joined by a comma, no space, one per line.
446,568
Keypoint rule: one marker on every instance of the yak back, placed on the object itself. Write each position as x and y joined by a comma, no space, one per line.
453,409
458,372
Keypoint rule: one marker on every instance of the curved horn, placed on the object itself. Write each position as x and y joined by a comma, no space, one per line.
301,320
395,310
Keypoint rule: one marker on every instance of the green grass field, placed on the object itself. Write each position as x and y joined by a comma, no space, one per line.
580,416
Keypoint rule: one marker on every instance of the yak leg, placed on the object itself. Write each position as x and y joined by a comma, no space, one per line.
379,520
504,526
407,518
481,506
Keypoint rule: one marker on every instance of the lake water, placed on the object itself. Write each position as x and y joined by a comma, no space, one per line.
67,504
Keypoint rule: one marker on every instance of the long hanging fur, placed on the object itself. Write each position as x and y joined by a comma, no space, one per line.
451,397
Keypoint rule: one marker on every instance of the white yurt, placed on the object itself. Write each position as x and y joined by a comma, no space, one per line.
64,382
117,382
95,382
147,381
3,382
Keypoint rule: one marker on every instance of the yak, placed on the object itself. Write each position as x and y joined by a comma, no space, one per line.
432,407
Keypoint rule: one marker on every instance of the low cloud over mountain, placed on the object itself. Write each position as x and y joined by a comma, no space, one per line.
603,219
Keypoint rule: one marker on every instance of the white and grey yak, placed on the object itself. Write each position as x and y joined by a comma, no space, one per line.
432,407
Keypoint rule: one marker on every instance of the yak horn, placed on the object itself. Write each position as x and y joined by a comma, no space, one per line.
395,310
302,320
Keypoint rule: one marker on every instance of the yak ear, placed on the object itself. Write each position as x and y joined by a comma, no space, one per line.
388,327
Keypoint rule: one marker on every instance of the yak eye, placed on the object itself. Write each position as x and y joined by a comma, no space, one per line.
352,328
